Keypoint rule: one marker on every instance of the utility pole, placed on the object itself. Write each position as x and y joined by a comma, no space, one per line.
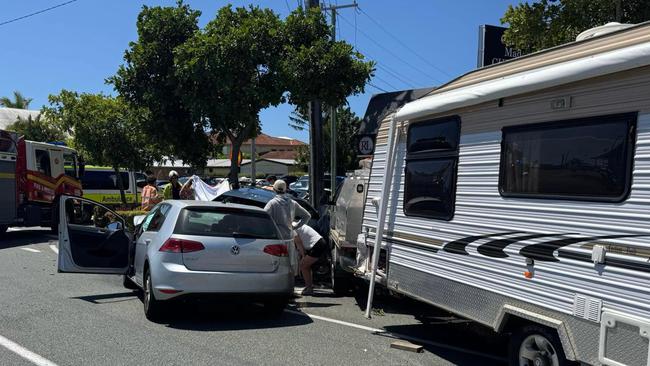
315,142
333,110
253,159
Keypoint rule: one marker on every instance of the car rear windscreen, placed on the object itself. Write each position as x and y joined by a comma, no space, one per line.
209,221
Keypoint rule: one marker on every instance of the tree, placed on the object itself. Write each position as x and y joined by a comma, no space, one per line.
148,80
347,125
316,66
37,129
19,102
104,130
231,71
548,23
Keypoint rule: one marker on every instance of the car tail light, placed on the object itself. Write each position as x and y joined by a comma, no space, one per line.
278,250
175,245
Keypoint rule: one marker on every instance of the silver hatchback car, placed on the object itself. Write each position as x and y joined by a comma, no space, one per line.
180,248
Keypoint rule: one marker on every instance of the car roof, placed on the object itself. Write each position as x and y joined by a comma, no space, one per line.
195,203
255,194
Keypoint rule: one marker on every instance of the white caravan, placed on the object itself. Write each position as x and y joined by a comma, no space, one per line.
518,196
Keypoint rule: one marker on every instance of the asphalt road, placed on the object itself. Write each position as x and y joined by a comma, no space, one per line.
53,319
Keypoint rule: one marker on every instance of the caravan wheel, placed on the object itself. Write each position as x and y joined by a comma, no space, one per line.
534,345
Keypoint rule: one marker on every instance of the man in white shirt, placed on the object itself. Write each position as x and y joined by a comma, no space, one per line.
283,210
311,246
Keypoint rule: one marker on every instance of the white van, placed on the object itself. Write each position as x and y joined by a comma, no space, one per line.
100,185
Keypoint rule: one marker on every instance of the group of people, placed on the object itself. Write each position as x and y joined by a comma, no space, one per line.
309,243
172,190
282,209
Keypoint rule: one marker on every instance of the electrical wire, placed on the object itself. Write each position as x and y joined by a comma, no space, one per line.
378,24
396,76
36,13
391,52
376,87
386,82
288,7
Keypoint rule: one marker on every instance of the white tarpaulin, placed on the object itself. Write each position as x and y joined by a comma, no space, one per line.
528,81
206,192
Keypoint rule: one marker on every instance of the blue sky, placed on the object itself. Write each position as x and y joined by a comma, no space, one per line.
415,44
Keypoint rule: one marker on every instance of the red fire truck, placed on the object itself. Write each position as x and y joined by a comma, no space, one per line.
32,176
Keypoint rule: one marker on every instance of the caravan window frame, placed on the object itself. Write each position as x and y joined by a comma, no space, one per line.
451,155
630,119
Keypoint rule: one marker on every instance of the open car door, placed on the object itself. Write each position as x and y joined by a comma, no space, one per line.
92,238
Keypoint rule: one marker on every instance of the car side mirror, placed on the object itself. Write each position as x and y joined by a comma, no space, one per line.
137,220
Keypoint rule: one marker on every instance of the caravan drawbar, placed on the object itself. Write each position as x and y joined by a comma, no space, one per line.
518,196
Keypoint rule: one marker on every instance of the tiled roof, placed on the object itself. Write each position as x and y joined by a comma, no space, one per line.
280,155
264,139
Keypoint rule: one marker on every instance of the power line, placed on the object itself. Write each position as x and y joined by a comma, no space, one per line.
396,76
376,87
403,44
391,52
403,78
386,82
288,7
36,13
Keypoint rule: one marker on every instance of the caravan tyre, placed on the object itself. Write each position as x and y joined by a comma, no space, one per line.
534,345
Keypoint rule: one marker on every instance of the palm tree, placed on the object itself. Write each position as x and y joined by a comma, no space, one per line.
20,102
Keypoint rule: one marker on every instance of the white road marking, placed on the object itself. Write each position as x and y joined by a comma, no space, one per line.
31,250
396,335
25,353
54,248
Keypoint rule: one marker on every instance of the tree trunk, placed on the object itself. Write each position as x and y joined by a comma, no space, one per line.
619,10
120,184
234,159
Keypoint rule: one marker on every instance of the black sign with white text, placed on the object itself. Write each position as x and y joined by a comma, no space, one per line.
491,49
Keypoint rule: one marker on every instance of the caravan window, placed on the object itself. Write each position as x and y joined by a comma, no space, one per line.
70,164
430,172
587,159
435,135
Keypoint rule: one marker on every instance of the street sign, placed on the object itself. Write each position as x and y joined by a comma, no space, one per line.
366,144
491,49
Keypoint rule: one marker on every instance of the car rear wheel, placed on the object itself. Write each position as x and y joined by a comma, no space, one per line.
340,280
153,309
534,345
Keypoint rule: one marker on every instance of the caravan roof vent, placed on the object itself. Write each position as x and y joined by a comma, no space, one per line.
601,30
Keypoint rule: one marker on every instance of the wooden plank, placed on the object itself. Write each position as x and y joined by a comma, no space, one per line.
407,346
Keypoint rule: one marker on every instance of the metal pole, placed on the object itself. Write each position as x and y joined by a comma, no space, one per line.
333,128
253,160
315,143
381,219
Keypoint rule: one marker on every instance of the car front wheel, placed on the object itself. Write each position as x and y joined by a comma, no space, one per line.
153,309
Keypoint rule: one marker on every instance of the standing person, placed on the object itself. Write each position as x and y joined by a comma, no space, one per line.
187,191
311,246
150,195
283,210
172,190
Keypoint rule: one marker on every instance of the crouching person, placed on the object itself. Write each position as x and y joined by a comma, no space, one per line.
311,246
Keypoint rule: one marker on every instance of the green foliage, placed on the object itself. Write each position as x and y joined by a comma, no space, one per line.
347,125
19,102
148,80
316,66
548,23
104,129
231,71
37,129
128,216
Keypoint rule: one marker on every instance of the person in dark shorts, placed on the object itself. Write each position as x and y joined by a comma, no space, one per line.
311,246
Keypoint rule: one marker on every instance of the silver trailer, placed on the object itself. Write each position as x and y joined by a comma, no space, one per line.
518,196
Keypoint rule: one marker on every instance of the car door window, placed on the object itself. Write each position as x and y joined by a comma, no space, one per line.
83,213
156,218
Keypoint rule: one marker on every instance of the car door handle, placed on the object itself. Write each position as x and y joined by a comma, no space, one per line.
147,241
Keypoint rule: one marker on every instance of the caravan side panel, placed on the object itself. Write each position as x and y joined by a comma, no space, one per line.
482,287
